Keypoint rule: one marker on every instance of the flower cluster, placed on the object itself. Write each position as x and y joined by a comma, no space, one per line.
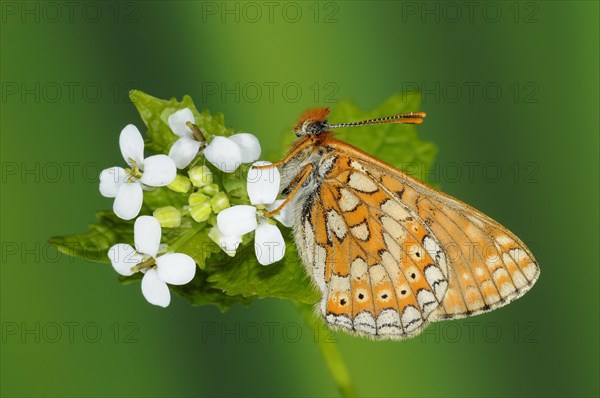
207,202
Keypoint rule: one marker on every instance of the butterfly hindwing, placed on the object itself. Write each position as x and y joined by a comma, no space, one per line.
379,267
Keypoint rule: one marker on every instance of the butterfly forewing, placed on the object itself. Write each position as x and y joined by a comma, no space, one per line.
488,266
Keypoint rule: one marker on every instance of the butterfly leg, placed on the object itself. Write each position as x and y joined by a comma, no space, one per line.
299,179
289,156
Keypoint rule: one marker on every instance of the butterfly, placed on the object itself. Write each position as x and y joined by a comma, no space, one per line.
389,253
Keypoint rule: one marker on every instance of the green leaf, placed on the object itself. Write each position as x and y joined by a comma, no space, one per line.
94,244
163,196
244,275
201,292
155,114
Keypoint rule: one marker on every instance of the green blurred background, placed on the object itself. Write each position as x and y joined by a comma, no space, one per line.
508,86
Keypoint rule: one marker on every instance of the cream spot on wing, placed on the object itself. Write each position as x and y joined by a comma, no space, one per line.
530,271
318,271
342,321
388,323
504,240
355,165
392,246
499,274
490,293
427,301
479,271
336,225
411,318
436,280
393,227
358,268
394,209
436,253
361,231
518,254
365,323
507,289
339,283
392,267
362,183
519,279
377,273
348,201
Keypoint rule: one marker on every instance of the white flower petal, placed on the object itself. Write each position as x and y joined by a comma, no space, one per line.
237,220
263,184
183,151
249,146
224,154
285,215
229,244
159,170
147,234
123,257
110,181
128,201
155,290
268,244
178,120
132,145
176,268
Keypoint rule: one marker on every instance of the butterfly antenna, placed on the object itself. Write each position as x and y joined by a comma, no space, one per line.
405,118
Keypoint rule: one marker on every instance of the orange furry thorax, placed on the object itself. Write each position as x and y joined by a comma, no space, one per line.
312,115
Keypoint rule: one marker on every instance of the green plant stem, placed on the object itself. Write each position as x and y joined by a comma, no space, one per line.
329,350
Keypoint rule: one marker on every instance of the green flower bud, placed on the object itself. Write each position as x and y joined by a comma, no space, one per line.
180,184
197,198
200,176
168,216
200,212
210,189
219,202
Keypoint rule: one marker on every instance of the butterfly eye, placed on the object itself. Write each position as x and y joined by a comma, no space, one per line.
312,128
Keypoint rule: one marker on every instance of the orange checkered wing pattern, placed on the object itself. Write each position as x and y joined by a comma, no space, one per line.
391,254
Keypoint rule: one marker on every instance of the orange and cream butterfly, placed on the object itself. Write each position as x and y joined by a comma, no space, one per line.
389,253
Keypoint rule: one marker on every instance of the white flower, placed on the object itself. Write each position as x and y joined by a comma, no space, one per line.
126,185
225,153
233,222
171,268
185,149
228,153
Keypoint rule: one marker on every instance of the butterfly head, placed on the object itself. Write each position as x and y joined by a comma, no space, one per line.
312,122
